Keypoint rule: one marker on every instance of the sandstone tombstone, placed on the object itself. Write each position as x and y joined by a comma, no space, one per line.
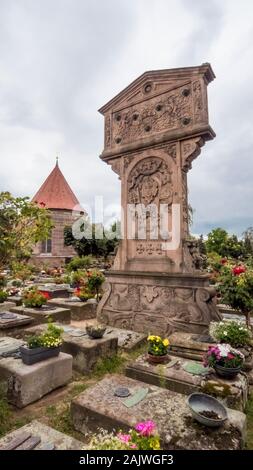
154,129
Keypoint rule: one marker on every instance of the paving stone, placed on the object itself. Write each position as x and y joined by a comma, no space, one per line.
47,435
232,393
14,325
5,306
42,315
79,310
98,407
27,384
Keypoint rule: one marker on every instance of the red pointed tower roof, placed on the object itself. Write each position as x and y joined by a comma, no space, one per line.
56,193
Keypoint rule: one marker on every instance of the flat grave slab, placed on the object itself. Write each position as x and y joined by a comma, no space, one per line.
173,376
5,306
85,351
79,310
128,339
49,438
9,346
27,384
16,299
11,323
98,407
44,314
55,291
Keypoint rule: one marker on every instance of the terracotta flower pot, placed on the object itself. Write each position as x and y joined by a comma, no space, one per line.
157,359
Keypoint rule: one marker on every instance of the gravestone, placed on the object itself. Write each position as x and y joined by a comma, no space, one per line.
12,323
154,129
44,314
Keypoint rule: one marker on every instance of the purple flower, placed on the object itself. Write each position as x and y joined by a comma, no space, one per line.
146,428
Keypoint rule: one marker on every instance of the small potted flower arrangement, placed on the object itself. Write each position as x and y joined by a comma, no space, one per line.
226,361
43,346
33,298
157,349
144,436
3,296
83,294
96,331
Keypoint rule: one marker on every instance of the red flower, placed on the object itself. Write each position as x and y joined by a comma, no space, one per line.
223,260
230,356
42,204
45,294
238,270
77,291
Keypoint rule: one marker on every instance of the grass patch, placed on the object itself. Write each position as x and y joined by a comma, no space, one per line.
77,389
249,413
109,365
8,422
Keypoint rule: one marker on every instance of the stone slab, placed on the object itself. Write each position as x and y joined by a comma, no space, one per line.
9,345
55,291
62,315
98,407
85,351
79,310
16,299
187,345
47,435
13,326
27,384
236,316
5,306
232,393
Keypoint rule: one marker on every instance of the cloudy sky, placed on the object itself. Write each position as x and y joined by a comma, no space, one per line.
60,60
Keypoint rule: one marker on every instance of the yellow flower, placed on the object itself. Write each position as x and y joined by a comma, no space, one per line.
151,338
166,342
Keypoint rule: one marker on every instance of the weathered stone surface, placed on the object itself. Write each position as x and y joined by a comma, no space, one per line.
99,407
42,315
85,351
16,299
47,435
13,326
9,345
154,129
79,310
5,306
27,384
55,291
187,345
233,393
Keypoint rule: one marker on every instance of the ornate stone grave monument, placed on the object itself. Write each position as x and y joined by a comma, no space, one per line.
154,129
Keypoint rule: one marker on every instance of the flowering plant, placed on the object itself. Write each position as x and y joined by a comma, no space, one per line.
51,338
95,280
236,288
83,294
34,298
223,355
142,437
157,346
233,332
3,296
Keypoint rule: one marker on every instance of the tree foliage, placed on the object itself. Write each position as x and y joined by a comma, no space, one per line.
22,225
220,242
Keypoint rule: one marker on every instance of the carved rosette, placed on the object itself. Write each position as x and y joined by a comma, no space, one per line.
159,309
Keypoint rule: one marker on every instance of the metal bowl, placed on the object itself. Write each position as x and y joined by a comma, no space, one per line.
199,402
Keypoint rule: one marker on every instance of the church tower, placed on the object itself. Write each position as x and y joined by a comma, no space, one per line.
56,195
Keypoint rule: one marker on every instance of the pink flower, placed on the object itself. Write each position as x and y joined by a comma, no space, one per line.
133,446
124,438
146,428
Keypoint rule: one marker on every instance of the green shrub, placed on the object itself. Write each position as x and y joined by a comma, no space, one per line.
3,296
77,263
233,332
33,298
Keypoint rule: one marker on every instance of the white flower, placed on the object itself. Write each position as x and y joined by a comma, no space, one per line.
225,333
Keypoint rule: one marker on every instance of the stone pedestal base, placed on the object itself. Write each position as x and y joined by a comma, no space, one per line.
48,437
233,393
44,316
98,407
27,384
158,303
79,310
12,327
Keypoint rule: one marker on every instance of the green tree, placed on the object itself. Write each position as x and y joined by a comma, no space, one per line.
219,241
22,225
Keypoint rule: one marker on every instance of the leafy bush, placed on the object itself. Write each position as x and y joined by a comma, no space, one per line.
83,294
236,288
233,332
95,280
77,263
3,296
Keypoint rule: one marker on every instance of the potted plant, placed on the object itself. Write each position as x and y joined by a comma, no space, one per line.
95,280
33,298
157,349
226,361
43,346
144,436
95,331
3,296
83,294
